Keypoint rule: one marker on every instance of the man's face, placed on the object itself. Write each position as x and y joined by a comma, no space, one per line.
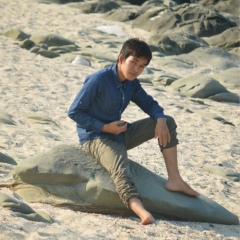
131,67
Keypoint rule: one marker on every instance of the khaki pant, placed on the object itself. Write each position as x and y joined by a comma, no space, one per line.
113,155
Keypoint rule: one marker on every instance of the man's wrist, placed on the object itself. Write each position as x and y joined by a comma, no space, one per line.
161,118
104,128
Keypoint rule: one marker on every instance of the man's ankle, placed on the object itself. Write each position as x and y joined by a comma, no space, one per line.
137,207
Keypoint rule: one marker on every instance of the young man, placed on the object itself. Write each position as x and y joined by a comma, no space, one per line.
97,111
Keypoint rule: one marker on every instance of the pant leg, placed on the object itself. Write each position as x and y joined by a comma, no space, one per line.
113,156
144,130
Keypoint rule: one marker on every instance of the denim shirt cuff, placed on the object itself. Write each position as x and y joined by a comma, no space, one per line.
98,125
160,116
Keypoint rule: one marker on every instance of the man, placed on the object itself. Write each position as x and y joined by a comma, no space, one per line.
97,110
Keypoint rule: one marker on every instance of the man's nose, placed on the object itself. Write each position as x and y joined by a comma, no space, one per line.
136,68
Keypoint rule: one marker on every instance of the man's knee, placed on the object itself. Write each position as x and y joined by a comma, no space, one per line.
172,129
171,123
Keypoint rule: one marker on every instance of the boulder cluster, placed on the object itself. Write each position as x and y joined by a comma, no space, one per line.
185,35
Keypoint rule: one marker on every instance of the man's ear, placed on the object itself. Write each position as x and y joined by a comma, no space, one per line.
121,58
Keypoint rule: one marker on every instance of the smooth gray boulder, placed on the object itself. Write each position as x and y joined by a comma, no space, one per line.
66,176
50,40
176,43
226,97
213,56
198,86
202,86
207,59
229,78
229,39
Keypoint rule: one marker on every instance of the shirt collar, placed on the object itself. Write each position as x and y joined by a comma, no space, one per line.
116,79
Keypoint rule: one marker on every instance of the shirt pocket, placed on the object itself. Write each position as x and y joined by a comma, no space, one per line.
109,105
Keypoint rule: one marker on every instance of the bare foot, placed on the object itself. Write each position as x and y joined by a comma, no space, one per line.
136,205
147,219
181,186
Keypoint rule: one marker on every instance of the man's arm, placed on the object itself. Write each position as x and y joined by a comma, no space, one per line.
79,110
147,103
155,111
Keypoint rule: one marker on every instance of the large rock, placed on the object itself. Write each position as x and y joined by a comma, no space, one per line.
175,43
225,97
189,18
228,39
66,176
228,6
198,86
50,40
229,78
215,57
207,59
212,87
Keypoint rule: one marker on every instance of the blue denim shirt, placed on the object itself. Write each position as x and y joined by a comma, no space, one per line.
102,100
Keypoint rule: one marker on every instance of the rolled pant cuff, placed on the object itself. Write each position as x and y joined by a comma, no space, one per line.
126,200
170,145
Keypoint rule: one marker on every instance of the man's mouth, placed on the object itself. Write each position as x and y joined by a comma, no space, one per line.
133,74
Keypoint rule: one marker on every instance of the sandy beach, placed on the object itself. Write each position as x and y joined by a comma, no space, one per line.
33,84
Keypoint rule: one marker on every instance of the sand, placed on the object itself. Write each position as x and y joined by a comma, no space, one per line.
32,84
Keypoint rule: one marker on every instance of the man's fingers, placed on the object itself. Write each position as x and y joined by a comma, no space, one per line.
164,139
162,133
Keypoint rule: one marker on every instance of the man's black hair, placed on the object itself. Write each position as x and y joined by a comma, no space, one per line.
137,48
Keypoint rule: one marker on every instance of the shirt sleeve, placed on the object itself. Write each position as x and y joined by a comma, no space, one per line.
79,111
147,103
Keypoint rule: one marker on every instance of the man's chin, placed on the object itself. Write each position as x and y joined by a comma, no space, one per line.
131,78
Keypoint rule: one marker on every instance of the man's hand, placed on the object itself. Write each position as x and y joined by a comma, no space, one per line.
162,132
115,127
